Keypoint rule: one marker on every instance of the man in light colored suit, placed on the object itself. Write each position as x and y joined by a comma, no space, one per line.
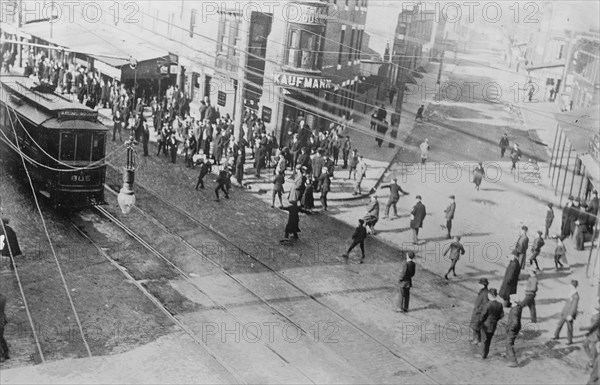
569,313
450,215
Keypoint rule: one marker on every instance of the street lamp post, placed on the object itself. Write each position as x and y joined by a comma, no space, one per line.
126,197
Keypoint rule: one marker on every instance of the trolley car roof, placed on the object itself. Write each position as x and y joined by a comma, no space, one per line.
46,109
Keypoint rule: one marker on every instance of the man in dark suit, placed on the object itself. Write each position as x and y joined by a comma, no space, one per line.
512,330
491,314
565,226
521,246
3,345
450,214
417,215
9,244
395,191
358,239
405,283
456,249
482,299
569,313
510,281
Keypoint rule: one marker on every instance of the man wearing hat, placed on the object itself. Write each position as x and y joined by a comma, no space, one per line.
482,299
405,283
511,280
456,249
417,215
569,313
9,244
521,246
491,314
549,219
593,334
395,191
504,144
450,215
536,248
512,330
530,293
358,239
565,226
361,172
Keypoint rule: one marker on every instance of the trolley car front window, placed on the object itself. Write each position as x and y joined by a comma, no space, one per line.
77,147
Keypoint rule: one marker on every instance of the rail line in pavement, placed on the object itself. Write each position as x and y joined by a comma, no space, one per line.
369,336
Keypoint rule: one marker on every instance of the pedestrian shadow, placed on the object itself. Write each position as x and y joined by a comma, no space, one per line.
548,301
554,316
493,189
556,274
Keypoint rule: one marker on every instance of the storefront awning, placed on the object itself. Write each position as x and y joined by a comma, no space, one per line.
100,42
592,169
579,127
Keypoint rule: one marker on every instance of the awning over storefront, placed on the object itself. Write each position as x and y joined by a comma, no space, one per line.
592,169
109,47
579,127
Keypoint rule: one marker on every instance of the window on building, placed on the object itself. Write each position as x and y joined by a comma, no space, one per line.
351,45
303,49
227,42
193,22
347,2
359,37
341,53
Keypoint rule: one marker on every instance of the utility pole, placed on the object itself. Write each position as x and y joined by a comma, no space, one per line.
442,58
238,108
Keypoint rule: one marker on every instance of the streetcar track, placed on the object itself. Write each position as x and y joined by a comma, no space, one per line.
156,302
282,277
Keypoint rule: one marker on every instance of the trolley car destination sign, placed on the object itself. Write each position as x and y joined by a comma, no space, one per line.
77,114
299,81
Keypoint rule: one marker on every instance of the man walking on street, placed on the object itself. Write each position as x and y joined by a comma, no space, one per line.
456,249
593,334
482,299
405,283
536,248
424,151
205,168
515,155
521,246
361,170
549,219
503,145
417,215
449,211
512,330
510,281
420,113
346,146
358,239
530,293
395,191
491,314
569,313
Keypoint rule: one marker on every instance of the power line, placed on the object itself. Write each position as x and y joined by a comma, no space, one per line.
27,311
64,282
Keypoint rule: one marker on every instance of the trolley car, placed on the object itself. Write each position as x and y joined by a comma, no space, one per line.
63,142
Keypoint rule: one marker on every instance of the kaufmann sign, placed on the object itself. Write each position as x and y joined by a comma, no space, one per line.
310,82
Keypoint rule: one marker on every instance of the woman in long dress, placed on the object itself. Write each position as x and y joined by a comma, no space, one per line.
478,175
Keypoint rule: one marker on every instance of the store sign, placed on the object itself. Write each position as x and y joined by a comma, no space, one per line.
78,115
306,14
266,114
298,81
221,98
